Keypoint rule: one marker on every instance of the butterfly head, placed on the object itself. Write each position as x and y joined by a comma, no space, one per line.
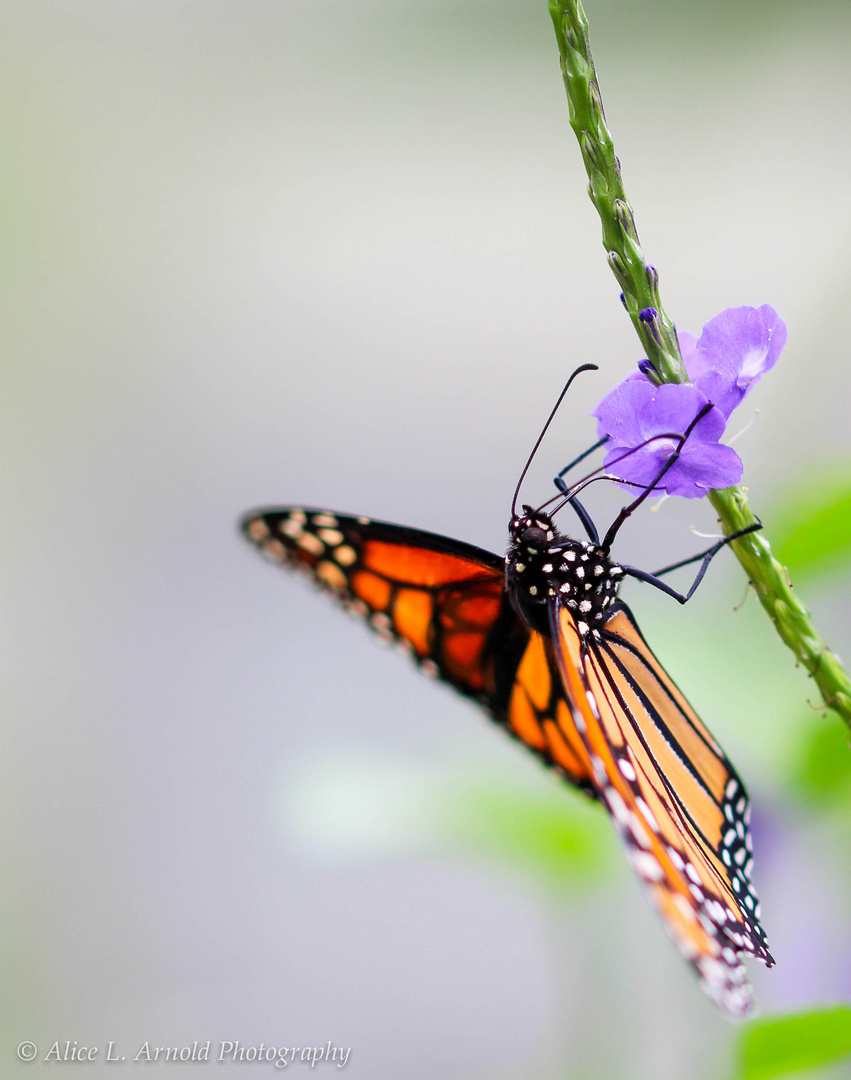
532,530
531,536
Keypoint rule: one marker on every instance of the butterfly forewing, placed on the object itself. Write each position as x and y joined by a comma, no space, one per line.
445,603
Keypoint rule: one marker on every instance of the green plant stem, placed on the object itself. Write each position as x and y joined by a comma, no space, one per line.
640,284
773,586
638,280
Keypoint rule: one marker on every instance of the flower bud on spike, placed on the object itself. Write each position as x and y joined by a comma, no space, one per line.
595,104
623,211
589,151
650,317
618,269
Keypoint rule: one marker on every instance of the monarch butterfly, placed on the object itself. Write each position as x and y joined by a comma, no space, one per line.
541,641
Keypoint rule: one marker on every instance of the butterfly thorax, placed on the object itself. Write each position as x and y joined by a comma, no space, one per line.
543,566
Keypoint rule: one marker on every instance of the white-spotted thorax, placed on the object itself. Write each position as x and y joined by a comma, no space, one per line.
543,566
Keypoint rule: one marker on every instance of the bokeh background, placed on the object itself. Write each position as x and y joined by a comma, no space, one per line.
271,251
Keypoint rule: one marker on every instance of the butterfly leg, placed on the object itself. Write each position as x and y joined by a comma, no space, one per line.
576,460
629,510
706,557
583,515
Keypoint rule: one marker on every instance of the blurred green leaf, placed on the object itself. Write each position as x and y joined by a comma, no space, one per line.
554,834
822,767
782,1045
811,529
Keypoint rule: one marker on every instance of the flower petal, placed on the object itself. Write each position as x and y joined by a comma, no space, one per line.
672,407
688,345
641,465
701,467
724,392
775,327
619,410
734,350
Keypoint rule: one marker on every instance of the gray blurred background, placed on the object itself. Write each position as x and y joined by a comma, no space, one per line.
265,252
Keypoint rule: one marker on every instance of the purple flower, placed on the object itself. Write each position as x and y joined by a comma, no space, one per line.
636,411
733,351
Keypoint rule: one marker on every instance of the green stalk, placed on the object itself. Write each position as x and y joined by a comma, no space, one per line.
640,284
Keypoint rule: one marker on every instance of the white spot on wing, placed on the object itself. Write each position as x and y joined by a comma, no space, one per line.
626,768
645,865
617,806
647,814
345,555
291,528
275,550
258,529
310,543
332,537
599,769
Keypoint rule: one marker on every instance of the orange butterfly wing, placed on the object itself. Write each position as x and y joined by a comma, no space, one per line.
445,603
678,804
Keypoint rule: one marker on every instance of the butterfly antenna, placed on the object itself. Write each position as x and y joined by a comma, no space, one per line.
579,370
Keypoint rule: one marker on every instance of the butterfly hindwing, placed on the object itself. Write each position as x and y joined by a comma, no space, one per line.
678,805
445,603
